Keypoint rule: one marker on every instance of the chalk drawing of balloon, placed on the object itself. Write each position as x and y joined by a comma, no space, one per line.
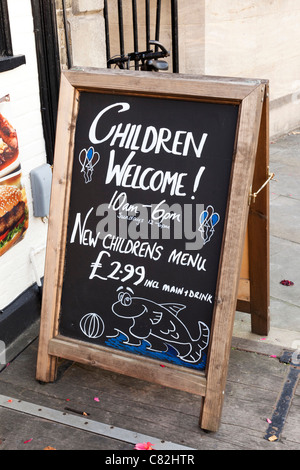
208,220
92,325
88,159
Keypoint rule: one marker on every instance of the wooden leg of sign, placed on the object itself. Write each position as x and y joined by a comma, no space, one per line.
230,265
57,229
258,232
217,367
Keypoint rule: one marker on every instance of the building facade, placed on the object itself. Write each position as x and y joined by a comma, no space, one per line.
233,38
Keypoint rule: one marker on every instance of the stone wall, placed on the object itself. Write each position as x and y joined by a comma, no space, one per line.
86,32
258,39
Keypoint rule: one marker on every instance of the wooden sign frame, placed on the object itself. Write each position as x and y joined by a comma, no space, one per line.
249,95
254,284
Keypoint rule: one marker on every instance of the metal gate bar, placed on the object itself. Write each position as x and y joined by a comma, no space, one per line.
107,37
66,30
158,15
147,8
135,31
121,27
174,17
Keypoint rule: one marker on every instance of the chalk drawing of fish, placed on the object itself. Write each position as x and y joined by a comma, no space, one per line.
159,325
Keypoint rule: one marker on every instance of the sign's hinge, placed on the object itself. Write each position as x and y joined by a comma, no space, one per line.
252,196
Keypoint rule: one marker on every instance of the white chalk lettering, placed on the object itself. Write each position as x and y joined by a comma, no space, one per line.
186,259
85,235
132,176
145,139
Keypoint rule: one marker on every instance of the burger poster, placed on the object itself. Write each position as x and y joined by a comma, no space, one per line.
13,200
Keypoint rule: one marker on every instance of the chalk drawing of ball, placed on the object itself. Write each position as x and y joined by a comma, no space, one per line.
92,325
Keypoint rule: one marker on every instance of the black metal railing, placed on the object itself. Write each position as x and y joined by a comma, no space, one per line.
136,55
150,40
67,39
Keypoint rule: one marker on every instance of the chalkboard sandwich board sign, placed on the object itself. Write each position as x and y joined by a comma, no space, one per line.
148,217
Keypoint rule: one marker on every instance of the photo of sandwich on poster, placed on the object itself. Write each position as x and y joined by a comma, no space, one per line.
13,200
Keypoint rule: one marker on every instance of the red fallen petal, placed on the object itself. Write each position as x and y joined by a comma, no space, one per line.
286,282
144,446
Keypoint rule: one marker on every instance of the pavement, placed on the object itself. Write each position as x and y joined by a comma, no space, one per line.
284,247
263,381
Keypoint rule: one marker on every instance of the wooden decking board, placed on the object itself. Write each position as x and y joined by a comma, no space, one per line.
254,381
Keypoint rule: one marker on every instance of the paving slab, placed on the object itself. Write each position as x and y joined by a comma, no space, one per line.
284,265
285,218
284,247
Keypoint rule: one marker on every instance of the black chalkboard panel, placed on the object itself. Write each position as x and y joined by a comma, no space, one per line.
148,201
